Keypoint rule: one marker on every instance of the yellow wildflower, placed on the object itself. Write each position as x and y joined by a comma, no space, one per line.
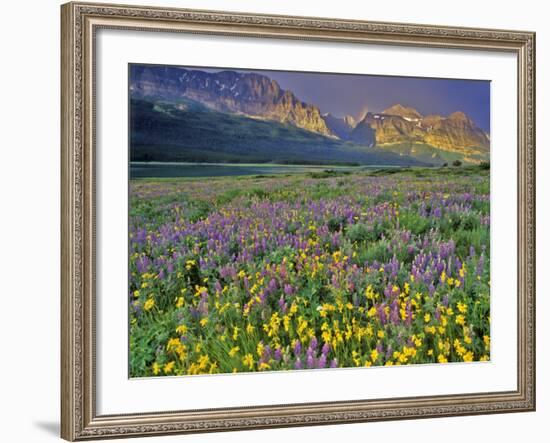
260,349
149,304
248,360
156,368
203,361
169,367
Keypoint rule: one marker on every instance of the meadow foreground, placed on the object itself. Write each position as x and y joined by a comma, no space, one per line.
310,270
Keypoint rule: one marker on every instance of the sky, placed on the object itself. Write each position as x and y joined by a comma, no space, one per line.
354,94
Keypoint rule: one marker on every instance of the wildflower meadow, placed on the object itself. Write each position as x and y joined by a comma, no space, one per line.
309,270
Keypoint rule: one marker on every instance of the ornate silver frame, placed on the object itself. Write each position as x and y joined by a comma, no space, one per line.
80,21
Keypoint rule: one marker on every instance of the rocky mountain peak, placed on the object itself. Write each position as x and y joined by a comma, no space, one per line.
251,94
403,111
461,117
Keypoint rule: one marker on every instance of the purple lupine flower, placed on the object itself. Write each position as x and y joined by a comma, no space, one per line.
297,348
298,364
277,354
322,361
394,312
382,314
310,361
334,363
326,349
313,343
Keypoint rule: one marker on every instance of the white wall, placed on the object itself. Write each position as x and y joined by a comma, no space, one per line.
29,221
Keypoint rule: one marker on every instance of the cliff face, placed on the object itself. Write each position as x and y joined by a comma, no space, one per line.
393,128
228,91
455,133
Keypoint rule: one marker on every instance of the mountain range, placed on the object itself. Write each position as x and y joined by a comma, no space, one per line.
180,114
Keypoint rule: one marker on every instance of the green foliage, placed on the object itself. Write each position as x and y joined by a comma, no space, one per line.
360,232
200,210
414,222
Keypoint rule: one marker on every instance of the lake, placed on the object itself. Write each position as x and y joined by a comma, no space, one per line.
171,170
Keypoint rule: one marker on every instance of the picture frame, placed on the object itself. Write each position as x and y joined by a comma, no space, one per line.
80,176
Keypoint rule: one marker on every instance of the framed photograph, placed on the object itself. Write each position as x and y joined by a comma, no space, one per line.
282,221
